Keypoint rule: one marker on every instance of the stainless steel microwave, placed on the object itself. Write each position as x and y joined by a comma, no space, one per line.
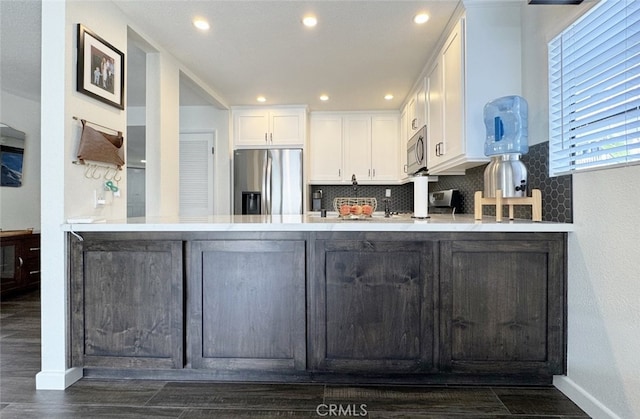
417,152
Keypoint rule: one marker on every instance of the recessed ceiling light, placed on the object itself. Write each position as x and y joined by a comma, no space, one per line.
324,98
310,21
420,18
261,99
201,24
388,96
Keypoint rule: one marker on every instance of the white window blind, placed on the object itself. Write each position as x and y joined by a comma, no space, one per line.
594,90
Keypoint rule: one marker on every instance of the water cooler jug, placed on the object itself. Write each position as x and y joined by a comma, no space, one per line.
505,121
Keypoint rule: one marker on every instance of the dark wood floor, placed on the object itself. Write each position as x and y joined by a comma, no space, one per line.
20,361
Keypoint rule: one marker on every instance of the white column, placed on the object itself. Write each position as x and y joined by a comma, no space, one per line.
54,374
163,131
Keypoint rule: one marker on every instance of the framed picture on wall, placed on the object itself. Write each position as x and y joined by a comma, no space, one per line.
100,69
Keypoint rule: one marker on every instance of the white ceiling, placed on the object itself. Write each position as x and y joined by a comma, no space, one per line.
359,51
20,23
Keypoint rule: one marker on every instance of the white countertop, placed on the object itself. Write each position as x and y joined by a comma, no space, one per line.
313,222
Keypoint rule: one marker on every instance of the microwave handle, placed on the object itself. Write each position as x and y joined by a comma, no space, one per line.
420,150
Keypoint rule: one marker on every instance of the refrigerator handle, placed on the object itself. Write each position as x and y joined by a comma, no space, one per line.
267,181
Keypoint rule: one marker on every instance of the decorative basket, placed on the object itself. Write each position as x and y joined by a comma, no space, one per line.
338,202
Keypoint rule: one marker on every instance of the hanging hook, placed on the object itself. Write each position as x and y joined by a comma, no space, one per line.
107,171
93,173
87,170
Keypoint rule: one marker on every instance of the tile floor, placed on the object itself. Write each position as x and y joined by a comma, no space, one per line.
139,399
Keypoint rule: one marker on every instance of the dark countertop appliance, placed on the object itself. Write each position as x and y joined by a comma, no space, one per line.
445,202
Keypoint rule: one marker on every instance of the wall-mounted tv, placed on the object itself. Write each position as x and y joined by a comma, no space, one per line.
12,159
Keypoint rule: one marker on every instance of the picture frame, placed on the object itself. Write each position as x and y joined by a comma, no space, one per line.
100,72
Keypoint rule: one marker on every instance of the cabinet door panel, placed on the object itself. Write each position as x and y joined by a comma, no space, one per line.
502,307
499,309
376,301
384,148
251,128
287,127
453,91
357,146
325,152
435,129
127,304
248,305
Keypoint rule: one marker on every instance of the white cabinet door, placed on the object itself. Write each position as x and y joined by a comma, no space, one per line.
421,106
266,127
403,144
435,119
357,147
384,148
453,95
287,127
251,127
325,148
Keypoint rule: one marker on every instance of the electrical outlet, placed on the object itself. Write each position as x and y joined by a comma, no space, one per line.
387,193
98,199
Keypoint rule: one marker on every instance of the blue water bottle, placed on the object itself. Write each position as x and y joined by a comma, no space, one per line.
505,120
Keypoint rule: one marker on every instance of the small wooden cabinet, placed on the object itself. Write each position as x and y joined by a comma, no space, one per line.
127,303
247,305
269,127
372,306
502,306
20,263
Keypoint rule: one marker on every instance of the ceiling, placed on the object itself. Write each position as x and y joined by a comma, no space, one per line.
359,51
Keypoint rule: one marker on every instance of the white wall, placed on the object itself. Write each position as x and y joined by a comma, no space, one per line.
110,25
20,207
603,374
604,292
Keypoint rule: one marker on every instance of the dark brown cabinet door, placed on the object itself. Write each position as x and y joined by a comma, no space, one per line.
372,306
20,263
247,305
502,306
127,304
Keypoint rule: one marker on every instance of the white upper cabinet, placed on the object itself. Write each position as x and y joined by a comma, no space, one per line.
404,139
343,144
384,148
420,114
325,148
269,127
479,61
416,109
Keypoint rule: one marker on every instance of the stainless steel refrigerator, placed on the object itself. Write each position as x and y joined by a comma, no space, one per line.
267,181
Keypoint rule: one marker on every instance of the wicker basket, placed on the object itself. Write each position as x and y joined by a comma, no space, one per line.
338,202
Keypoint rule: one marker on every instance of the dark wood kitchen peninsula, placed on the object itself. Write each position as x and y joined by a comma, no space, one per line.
304,298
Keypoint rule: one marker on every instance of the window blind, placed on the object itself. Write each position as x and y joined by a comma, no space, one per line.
594,90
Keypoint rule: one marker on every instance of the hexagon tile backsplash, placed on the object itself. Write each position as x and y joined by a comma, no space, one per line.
556,191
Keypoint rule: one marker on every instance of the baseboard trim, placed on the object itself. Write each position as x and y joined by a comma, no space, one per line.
57,380
587,402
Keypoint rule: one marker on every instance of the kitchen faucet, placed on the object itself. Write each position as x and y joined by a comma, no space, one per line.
354,182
